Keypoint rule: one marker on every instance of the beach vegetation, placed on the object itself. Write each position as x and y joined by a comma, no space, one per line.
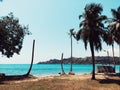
115,26
92,30
12,34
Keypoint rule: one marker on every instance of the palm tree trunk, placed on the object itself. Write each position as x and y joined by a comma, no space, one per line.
113,57
71,73
119,57
119,52
71,55
32,59
93,60
62,65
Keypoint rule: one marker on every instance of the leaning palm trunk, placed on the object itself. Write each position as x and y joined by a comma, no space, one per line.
62,65
113,57
28,73
93,60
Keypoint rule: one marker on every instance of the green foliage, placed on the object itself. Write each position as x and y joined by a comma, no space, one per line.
11,35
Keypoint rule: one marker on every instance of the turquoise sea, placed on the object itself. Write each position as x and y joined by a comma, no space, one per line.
45,69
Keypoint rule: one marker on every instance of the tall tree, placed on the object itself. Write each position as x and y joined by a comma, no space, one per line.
114,29
92,30
72,34
11,35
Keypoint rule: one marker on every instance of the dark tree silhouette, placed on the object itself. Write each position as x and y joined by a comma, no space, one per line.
114,30
92,29
11,35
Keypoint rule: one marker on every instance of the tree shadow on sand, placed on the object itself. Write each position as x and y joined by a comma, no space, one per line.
111,79
14,78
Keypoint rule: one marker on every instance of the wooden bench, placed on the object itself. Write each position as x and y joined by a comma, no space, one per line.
2,75
105,69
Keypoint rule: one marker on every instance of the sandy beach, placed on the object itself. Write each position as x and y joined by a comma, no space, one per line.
99,76
64,82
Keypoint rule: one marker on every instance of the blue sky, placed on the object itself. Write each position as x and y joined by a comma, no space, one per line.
50,21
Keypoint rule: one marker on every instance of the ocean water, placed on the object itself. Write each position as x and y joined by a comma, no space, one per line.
45,69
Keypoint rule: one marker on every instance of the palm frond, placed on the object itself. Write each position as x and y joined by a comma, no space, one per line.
98,46
118,10
93,8
101,18
85,43
115,13
91,28
78,35
80,16
83,23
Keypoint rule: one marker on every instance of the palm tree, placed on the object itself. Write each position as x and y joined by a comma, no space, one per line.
91,30
114,28
28,73
63,72
72,34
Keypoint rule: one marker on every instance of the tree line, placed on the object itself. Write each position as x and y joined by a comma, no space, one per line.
95,28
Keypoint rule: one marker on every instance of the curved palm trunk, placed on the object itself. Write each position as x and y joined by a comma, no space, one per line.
113,57
93,60
62,65
28,73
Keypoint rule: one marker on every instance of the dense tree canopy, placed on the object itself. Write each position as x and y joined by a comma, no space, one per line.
11,35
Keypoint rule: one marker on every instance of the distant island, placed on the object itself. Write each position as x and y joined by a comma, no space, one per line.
86,60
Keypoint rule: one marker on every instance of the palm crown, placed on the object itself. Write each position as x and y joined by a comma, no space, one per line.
115,24
91,28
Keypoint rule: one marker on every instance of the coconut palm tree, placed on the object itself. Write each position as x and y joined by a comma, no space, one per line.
91,30
28,73
110,40
116,20
72,34
63,72
114,29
